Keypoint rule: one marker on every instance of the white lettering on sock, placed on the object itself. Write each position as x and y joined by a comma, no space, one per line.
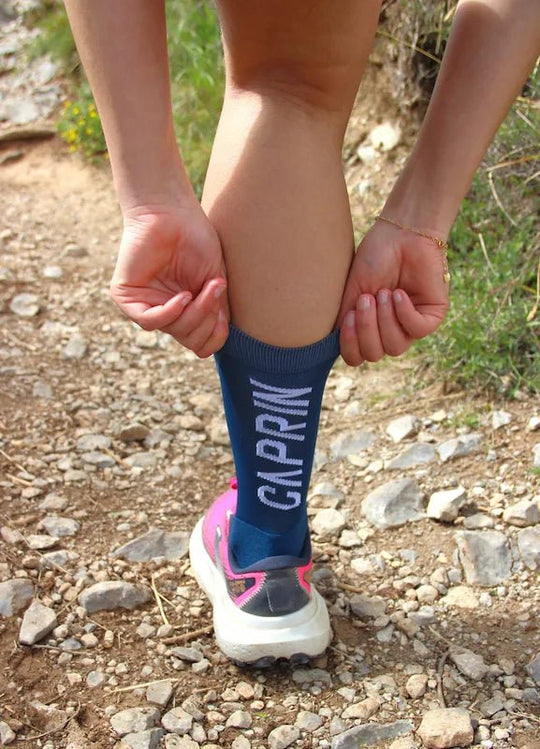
295,496
290,402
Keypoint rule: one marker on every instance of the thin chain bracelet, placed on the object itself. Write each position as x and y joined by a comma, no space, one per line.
438,241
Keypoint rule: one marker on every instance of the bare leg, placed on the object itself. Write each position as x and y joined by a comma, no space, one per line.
275,190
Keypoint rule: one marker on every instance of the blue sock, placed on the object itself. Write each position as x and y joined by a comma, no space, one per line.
272,398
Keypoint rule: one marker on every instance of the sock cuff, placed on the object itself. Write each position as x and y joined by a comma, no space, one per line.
276,359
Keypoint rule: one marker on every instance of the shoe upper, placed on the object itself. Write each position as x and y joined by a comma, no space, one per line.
277,587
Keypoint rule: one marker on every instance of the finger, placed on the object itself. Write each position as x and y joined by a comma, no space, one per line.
217,337
196,337
348,340
394,339
205,304
367,329
417,324
153,317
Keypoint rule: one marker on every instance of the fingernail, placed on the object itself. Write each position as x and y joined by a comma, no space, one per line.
398,296
219,291
383,296
186,299
364,302
349,319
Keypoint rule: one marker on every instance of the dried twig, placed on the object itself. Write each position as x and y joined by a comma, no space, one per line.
484,251
440,686
14,462
350,588
144,684
498,200
53,730
17,480
187,636
157,596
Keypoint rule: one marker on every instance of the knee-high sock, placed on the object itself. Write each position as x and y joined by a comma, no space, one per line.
272,399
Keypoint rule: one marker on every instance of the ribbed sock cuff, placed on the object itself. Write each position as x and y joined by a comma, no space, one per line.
276,359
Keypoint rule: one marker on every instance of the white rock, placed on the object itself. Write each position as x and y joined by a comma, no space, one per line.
283,736
25,305
393,504
135,719
459,446
416,686
536,454
239,719
52,271
386,136
38,621
500,419
522,514
328,523
533,424
113,594
405,426
159,693
75,348
529,547
7,735
470,664
445,505
417,454
462,597
60,527
177,720
349,444
308,721
485,556
446,727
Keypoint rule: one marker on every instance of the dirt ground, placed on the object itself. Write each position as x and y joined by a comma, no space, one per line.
57,211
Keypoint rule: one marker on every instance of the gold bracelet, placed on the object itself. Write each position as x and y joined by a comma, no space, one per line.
438,241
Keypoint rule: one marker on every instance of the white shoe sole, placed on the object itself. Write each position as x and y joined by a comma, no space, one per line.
250,639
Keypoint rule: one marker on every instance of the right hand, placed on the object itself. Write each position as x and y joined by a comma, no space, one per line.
170,275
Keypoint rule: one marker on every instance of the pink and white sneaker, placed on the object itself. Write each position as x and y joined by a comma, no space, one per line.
264,612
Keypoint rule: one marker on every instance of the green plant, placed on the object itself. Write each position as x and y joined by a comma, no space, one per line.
80,126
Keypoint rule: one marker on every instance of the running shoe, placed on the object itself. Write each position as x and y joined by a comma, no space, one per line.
264,612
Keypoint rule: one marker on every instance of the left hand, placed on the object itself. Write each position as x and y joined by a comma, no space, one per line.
395,294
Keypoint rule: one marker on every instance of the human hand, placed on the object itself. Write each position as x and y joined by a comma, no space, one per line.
170,275
395,294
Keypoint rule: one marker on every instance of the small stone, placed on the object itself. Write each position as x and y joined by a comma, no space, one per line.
350,444
177,720
241,742
485,556
533,425
133,433
427,594
38,621
144,739
25,305
393,504
113,594
7,735
416,686
367,607
40,541
500,419
417,454
529,547
349,539
459,447
405,742
142,460
311,676
403,427
95,679
446,727
60,527
470,664
42,389
362,710
89,640
522,514
445,505
478,521
75,250
92,442
492,706
283,736
201,667
385,136
75,348
159,693
328,523
533,669
308,721
239,719
135,719
190,655
15,595
53,272
462,597
172,545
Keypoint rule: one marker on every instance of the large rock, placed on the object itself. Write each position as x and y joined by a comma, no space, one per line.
459,447
328,523
15,595
368,607
283,736
177,721
38,621
445,728
462,597
59,527
470,664
393,504
171,545
445,505
529,547
113,594
150,739
135,719
522,514
485,556
417,454
90,442
371,733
